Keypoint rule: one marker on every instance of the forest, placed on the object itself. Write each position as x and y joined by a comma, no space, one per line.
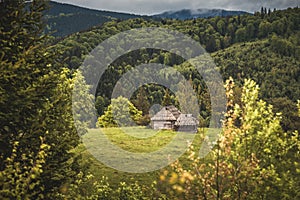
60,18
42,156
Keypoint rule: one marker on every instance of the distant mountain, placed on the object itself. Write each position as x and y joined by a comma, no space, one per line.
64,19
199,13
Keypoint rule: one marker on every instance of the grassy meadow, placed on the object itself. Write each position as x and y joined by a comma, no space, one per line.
142,143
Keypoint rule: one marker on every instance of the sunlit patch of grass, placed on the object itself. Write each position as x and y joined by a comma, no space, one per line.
123,139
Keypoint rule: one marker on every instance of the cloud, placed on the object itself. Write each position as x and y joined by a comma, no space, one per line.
158,6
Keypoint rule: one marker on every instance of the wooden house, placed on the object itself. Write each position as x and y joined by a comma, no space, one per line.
170,118
186,123
165,118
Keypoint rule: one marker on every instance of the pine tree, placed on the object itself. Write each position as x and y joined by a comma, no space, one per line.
141,102
167,100
21,26
35,102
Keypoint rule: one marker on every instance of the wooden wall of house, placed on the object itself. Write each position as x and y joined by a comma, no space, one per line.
190,129
163,125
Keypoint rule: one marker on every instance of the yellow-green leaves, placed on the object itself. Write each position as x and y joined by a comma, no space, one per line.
253,158
21,177
298,105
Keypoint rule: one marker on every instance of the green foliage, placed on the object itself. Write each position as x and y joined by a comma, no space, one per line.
19,179
82,104
290,118
284,47
167,100
275,73
129,192
141,102
121,112
61,17
253,159
100,104
20,27
85,187
264,48
241,34
186,99
35,102
298,105
264,28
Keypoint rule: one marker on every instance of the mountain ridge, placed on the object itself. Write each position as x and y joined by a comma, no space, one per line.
199,13
64,19
56,8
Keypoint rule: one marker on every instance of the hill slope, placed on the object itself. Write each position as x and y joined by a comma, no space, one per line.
277,75
269,55
199,13
65,19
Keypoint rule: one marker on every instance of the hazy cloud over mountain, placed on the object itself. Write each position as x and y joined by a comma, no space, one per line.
158,6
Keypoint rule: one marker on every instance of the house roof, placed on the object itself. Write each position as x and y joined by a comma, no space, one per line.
187,120
173,110
167,113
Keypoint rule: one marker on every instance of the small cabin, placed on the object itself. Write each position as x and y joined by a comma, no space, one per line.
186,123
170,118
165,118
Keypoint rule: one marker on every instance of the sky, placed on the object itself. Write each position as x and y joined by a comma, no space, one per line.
149,7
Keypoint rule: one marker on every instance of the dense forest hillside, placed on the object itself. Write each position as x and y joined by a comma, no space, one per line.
65,19
264,46
199,13
52,145
276,73
60,17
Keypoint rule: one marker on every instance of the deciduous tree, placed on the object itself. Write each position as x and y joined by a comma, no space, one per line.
121,112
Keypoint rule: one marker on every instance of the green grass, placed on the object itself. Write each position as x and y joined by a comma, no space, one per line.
123,138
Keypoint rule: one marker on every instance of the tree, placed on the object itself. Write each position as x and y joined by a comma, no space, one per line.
35,102
253,158
231,30
264,29
262,11
141,102
100,104
290,120
240,34
17,183
20,28
298,105
121,112
187,100
282,46
83,104
250,29
211,45
221,26
167,100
